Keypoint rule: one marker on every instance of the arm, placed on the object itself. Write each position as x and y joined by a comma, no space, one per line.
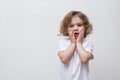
65,55
84,55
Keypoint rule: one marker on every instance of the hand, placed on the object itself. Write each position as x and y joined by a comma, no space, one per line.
80,36
72,37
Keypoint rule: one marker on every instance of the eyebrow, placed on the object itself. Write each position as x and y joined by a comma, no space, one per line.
77,24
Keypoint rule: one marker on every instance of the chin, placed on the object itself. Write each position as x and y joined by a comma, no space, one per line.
76,37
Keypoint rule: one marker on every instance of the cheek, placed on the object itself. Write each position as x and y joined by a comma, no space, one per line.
69,30
81,29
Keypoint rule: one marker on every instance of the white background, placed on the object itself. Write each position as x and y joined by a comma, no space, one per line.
29,41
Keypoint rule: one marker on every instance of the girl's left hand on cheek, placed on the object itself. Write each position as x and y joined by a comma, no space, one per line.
81,36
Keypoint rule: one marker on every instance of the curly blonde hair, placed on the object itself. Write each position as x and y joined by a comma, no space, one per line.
67,19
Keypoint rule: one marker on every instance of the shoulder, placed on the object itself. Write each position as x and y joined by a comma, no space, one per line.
88,40
63,43
63,39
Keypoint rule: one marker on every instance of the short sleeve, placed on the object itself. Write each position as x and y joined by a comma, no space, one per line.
62,45
89,45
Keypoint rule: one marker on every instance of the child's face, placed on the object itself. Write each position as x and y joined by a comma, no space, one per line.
76,26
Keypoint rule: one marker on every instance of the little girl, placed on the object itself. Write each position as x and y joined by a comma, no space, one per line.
75,48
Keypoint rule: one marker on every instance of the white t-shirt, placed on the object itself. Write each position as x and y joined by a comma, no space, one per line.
74,69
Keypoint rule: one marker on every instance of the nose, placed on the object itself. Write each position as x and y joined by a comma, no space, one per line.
75,28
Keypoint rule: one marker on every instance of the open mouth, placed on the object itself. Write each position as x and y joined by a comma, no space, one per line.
76,34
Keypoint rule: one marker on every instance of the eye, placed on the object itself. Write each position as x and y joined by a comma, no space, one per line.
79,24
71,26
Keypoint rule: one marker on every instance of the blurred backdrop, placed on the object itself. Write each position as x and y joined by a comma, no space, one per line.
29,41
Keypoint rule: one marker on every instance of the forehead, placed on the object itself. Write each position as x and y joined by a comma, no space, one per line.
76,20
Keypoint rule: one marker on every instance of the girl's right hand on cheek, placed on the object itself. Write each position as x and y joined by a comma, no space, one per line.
72,37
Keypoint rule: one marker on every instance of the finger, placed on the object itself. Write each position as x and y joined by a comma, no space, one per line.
82,32
72,33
